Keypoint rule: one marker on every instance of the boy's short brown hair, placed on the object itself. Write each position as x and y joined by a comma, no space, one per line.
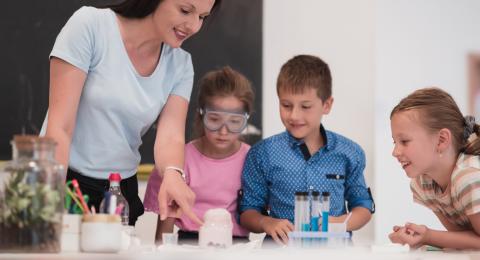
305,71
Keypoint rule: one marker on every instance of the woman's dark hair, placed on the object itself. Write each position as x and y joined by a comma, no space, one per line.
143,8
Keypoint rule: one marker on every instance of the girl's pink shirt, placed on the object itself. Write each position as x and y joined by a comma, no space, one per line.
215,182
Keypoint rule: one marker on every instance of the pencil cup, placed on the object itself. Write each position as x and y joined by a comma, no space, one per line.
101,233
70,241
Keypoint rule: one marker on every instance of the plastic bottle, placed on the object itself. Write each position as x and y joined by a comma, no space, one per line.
115,200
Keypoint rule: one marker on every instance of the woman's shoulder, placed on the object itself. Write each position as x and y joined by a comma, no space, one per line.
89,12
176,55
88,18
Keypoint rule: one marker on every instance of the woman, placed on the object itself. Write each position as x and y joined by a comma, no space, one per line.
113,72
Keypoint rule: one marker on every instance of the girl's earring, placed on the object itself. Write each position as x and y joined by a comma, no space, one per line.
440,154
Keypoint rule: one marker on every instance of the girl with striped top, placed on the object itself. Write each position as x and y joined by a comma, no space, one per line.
439,150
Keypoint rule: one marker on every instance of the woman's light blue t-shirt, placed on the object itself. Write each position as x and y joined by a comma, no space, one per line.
117,105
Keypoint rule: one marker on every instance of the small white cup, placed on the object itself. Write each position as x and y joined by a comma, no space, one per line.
70,241
170,239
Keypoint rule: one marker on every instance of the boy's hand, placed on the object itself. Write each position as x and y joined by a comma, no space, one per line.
411,234
277,228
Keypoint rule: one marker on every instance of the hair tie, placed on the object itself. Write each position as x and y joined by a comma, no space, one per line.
469,127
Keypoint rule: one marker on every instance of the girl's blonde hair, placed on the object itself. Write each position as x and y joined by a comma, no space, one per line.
224,82
437,110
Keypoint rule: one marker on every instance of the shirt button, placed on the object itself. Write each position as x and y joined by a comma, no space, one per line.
338,176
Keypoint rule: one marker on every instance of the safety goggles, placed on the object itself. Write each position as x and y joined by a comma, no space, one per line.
213,120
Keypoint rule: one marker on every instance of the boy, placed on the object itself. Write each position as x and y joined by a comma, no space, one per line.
304,157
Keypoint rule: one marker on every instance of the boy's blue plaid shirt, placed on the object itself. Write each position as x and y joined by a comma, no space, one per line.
280,165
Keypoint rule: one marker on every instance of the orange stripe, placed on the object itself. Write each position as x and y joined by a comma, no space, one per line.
466,172
467,191
470,207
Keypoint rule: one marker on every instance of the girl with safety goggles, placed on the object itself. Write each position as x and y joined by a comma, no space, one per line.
214,160
213,120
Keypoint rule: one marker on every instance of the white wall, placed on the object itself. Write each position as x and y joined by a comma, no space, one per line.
418,44
342,33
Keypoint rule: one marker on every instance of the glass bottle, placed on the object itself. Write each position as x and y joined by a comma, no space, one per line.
31,196
216,230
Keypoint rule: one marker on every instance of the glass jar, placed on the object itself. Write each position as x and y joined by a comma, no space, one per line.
31,197
216,230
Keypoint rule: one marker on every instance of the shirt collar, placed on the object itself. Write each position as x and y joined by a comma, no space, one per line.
327,137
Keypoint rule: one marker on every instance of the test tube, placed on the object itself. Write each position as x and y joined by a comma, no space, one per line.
315,210
305,212
298,211
325,210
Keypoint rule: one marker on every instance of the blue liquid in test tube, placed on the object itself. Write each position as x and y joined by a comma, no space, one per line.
325,210
315,210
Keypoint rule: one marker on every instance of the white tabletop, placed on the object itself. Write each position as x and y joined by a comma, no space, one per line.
247,253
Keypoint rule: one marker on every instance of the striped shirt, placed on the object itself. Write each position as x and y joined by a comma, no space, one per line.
460,199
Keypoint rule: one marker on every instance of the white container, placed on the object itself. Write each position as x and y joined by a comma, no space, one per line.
217,229
101,233
70,241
